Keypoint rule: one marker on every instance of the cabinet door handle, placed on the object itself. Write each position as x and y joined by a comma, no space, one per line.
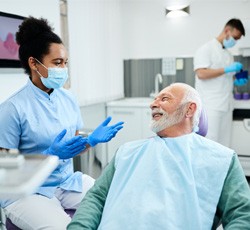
246,123
123,112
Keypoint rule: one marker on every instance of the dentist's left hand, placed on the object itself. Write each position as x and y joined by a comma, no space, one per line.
104,133
66,149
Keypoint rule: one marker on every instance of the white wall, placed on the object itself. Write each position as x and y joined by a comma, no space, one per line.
13,79
95,47
147,33
103,33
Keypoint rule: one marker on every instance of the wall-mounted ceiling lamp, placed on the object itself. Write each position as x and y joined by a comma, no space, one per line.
177,8
178,13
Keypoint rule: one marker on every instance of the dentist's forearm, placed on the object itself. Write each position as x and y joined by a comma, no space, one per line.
204,74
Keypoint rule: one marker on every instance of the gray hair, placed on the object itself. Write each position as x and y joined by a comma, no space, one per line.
191,95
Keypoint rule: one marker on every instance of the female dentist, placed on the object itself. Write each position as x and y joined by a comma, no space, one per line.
42,117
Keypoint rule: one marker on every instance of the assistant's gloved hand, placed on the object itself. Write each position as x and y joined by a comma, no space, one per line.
66,149
235,67
104,133
240,81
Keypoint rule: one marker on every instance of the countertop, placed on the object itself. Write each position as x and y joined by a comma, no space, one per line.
241,104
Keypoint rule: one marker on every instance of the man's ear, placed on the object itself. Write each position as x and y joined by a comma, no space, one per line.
191,110
227,30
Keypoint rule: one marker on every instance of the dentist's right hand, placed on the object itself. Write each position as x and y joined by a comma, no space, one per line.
235,67
66,149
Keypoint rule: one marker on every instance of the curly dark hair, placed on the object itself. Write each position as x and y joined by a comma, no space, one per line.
34,38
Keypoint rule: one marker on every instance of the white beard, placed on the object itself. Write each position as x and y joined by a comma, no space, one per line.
167,120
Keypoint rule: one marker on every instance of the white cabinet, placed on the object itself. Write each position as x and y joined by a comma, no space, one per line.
241,133
136,117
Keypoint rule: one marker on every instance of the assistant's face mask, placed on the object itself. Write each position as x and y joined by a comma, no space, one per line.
229,43
56,77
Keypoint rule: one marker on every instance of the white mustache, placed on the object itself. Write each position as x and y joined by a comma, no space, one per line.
158,110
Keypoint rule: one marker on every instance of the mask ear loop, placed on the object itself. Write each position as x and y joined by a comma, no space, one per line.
41,63
39,74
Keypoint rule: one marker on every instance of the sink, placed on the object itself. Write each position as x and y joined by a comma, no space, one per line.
153,95
132,102
158,80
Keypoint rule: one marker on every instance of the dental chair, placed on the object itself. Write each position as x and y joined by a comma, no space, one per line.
203,126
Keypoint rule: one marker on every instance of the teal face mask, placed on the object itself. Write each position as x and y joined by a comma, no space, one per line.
56,77
229,43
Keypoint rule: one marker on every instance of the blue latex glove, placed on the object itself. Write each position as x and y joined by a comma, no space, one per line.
66,149
235,67
240,81
104,133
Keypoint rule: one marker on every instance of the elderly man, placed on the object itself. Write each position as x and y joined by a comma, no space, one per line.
176,180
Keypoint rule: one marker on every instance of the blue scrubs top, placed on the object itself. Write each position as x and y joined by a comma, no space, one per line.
30,121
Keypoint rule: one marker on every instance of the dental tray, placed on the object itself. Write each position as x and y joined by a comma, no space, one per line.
8,160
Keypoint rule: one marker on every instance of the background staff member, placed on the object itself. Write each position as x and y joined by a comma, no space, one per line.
214,67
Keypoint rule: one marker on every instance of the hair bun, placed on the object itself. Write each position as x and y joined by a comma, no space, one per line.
32,28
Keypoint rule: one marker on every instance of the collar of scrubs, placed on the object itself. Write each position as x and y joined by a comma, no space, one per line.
40,93
166,183
220,46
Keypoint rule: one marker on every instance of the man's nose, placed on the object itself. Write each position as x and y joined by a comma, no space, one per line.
154,104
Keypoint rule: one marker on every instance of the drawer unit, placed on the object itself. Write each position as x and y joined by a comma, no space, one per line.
240,139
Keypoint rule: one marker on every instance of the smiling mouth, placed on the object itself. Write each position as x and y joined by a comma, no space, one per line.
156,115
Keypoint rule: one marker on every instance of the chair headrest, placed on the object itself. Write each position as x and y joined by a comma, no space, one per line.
203,123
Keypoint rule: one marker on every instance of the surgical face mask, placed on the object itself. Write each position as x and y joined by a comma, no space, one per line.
229,43
56,77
